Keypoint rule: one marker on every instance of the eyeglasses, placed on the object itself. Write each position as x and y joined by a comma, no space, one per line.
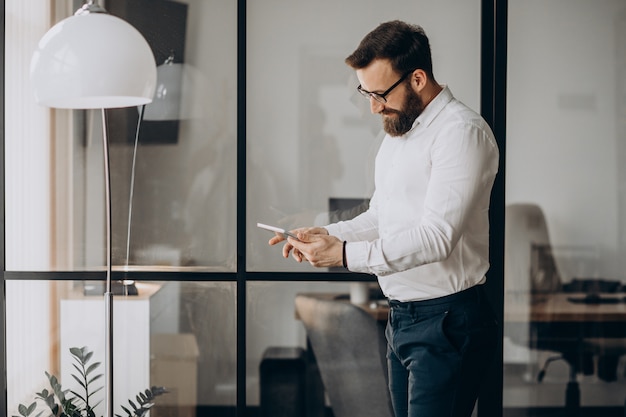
382,97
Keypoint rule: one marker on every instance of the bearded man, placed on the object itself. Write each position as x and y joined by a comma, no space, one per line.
426,232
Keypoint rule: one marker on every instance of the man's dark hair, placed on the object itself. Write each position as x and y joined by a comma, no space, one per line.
406,46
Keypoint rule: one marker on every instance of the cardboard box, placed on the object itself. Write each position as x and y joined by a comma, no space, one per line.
174,365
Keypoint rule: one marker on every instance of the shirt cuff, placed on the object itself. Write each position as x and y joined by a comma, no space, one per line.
333,230
356,256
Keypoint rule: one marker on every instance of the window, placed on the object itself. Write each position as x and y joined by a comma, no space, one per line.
564,206
270,116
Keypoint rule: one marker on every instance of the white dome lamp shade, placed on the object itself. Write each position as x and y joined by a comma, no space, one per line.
166,102
93,60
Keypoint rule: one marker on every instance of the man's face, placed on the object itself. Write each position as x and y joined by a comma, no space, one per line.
403,104
398,122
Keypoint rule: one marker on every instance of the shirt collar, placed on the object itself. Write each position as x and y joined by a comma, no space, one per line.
434,107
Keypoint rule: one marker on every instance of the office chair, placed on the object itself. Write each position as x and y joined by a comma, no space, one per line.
348,345
531,270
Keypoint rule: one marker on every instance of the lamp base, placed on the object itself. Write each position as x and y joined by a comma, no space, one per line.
117,288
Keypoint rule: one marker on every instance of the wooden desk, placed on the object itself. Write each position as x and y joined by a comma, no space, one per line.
566,318
557,307
522,307
589,320
535,308
379,309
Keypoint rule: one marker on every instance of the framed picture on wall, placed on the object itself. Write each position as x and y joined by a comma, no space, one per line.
163,23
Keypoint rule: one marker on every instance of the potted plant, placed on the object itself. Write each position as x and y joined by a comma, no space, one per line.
70,403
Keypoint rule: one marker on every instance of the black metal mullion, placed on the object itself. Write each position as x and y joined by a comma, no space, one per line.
3,367
241,209
493,109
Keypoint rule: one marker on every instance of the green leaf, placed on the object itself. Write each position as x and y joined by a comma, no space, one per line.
77,352
95,391
127,411
92,367
132,404
82,384
78,396
95,378
79,370
23,410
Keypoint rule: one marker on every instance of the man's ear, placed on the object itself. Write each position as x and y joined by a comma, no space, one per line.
419,79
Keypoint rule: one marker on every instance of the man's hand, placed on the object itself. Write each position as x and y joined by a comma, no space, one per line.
319,250
308,234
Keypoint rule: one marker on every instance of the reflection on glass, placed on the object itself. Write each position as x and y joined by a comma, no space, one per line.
274,333
174,195
180,336
565,315
313,140
207,311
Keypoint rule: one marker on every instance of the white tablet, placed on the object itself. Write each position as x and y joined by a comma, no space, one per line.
277,230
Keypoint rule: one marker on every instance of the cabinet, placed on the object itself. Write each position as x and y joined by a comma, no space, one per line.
83,324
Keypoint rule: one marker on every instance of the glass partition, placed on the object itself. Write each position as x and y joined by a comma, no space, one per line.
310,148
311,143
564,307
172,335
174,188
276,341
173,176
311,138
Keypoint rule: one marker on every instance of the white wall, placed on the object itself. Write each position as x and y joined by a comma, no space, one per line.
27,199
562,126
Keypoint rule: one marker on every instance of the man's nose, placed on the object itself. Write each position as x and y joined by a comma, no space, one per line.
376,106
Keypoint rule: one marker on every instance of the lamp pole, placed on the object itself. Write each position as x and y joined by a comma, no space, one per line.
108,295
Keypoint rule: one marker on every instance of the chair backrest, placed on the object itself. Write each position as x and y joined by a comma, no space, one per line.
348,345
529,263
529,267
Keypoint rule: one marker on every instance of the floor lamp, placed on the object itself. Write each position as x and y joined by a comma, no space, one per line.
93,60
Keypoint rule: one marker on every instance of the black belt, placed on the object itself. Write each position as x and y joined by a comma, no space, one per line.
476,292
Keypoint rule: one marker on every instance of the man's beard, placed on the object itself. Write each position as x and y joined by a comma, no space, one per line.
403,121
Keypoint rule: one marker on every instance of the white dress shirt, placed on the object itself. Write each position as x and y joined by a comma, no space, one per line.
426,232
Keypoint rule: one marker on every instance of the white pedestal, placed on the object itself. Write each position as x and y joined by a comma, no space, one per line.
83,324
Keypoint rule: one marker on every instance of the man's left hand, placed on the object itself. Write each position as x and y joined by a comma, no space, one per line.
319,250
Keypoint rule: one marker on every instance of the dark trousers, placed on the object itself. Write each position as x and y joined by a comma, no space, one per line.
438,353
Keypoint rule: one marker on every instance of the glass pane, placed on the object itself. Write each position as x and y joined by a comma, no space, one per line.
564,308
311,138
176,189
207,311
282,371
174,335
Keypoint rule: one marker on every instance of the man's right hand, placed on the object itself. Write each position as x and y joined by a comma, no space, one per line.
288,247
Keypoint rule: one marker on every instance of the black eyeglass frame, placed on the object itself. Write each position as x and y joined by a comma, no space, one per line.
382,97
